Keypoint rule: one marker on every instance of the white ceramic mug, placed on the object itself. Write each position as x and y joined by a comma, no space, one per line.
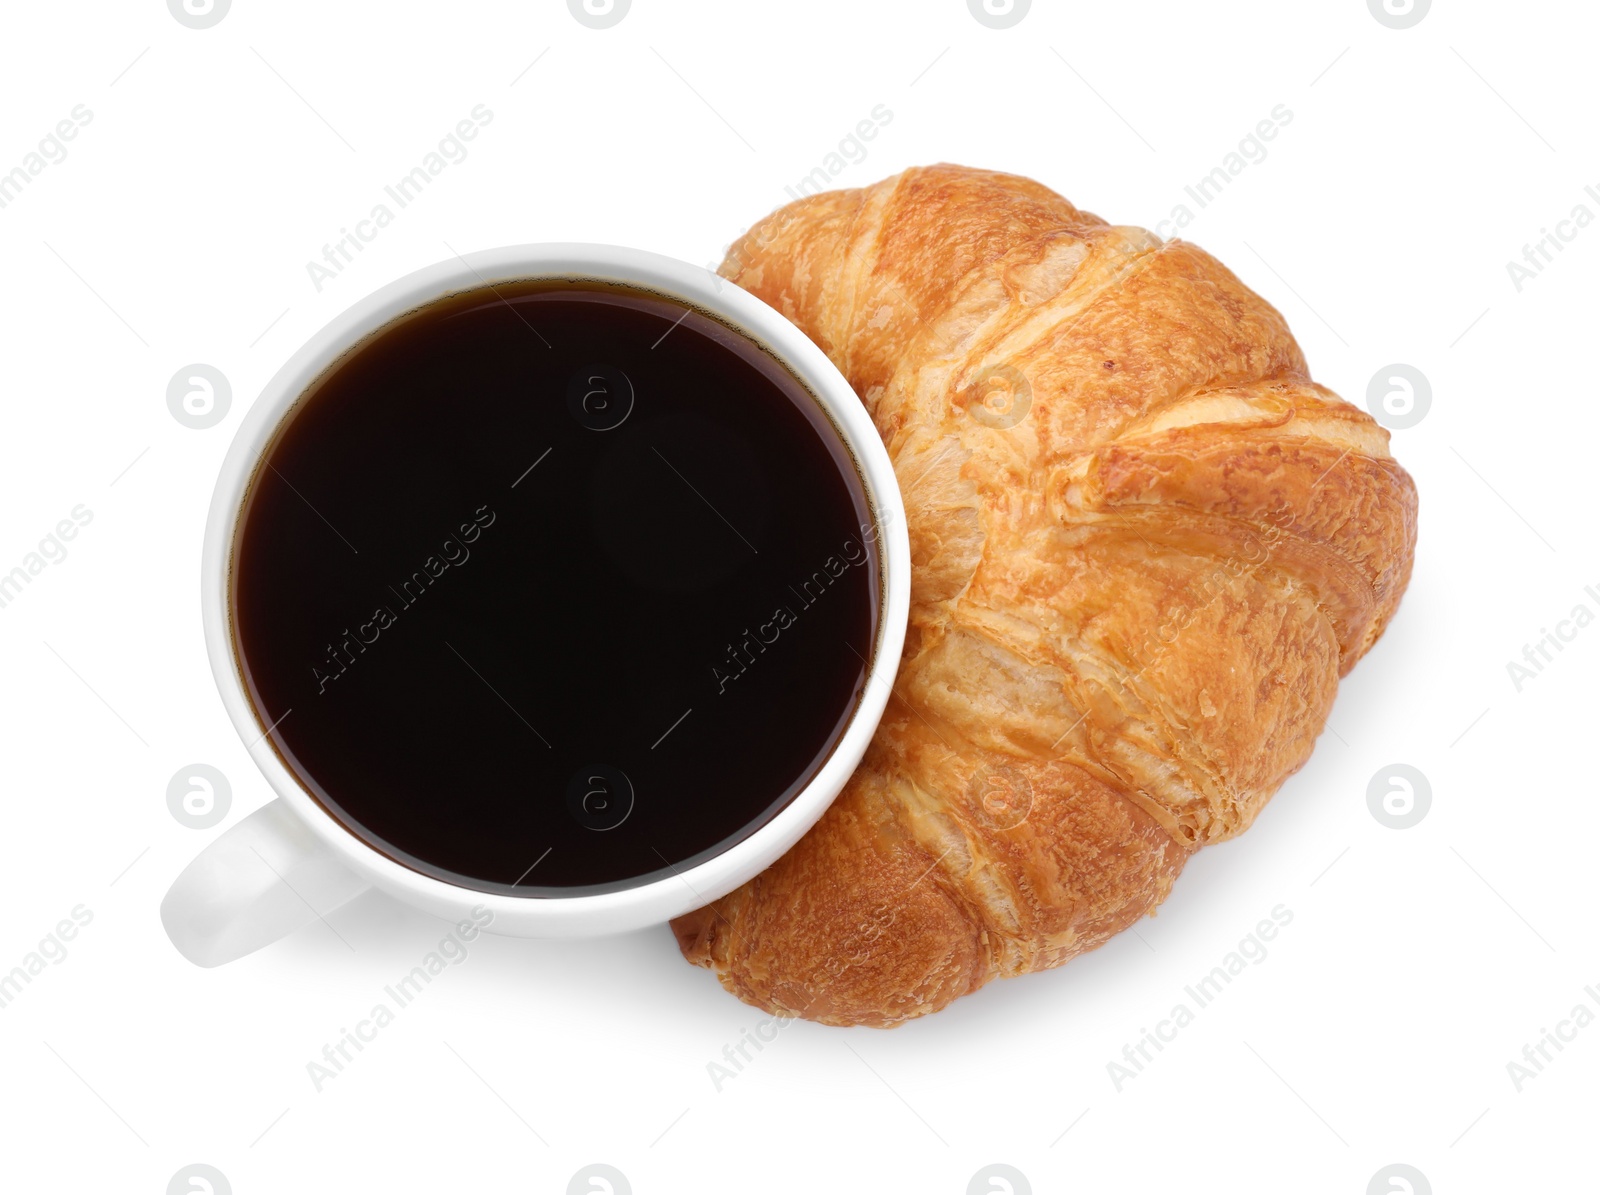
290,862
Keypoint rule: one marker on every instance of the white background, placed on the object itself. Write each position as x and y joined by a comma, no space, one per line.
1418,963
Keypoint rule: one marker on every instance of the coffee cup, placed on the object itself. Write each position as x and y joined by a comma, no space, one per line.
292,861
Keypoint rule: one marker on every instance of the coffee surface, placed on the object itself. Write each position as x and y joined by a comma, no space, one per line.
555,588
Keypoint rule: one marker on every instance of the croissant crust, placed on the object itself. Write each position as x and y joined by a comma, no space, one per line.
1145,546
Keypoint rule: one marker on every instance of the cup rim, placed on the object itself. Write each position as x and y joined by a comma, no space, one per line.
685,889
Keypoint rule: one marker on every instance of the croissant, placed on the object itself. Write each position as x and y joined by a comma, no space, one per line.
1145,546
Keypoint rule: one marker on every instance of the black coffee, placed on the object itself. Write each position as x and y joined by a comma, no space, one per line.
555,587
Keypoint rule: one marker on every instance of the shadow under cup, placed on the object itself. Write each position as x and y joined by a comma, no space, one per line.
555,588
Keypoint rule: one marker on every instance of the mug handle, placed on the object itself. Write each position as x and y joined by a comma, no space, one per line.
261,881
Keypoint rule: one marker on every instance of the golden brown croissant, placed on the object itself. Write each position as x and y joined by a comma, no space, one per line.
1145,547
